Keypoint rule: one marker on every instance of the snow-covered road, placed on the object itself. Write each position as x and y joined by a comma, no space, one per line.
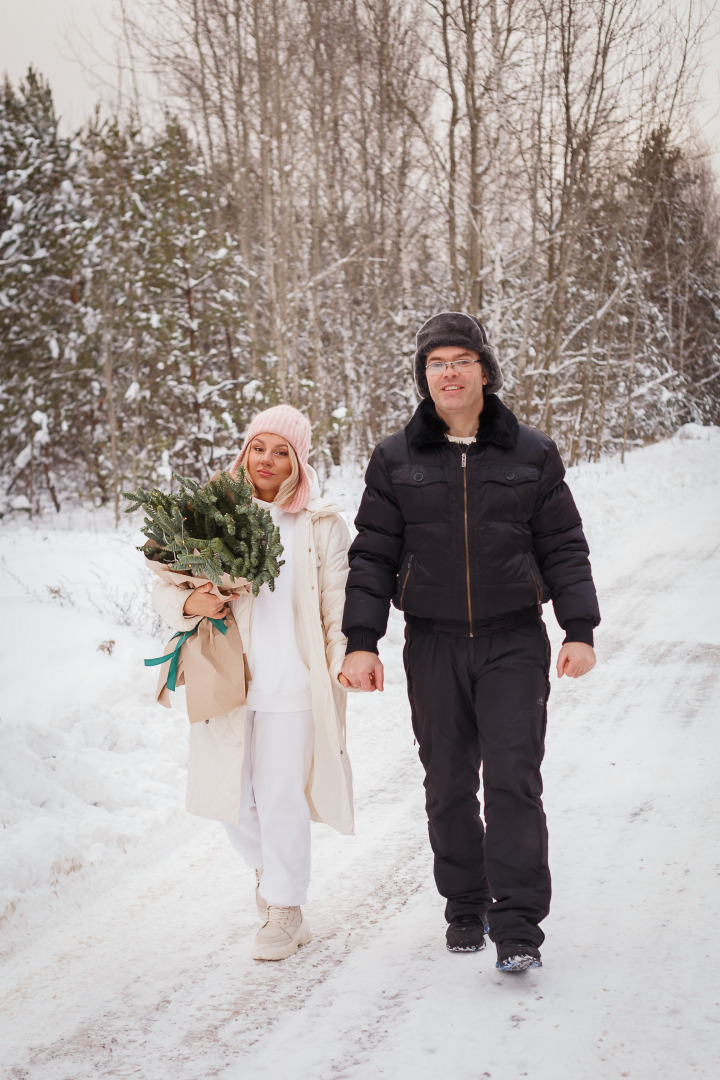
136,965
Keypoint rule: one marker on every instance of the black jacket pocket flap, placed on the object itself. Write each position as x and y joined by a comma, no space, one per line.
497,473
418,475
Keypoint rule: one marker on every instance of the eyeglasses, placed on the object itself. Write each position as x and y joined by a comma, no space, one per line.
437,367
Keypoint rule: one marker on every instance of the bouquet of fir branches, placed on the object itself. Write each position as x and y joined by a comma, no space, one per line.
215,531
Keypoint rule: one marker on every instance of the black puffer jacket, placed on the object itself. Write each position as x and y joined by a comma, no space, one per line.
464,539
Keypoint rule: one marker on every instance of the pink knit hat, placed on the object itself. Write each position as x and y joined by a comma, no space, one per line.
288,423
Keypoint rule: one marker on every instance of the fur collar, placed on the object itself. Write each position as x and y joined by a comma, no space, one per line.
497,425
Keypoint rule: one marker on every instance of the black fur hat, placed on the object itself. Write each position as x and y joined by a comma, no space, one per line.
465,331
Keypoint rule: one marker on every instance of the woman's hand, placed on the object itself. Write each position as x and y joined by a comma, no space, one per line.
202,601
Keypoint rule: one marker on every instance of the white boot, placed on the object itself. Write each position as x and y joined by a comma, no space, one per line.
260,901
283,932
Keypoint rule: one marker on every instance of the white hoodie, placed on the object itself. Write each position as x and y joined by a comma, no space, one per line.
279,677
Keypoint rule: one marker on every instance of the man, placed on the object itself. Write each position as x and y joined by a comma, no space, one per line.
467,526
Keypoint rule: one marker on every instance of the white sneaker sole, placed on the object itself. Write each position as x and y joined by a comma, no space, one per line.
281,952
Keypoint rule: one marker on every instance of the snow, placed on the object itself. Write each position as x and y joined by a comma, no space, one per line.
252,390
127,923
23,457
86,767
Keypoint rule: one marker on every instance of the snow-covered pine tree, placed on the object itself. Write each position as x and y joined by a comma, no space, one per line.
39,252
164,303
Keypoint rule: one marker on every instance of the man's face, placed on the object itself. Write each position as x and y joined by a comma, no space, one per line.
454,390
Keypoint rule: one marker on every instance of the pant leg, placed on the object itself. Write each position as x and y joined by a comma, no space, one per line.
511,691
245,835
282,754
440,689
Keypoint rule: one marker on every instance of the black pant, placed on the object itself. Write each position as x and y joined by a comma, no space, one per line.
483,701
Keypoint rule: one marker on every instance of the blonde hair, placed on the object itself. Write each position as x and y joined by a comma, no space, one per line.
288,488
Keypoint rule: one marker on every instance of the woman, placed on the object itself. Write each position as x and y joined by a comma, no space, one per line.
268,767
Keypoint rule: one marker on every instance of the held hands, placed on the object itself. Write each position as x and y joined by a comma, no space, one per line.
202,601
362,671
575,659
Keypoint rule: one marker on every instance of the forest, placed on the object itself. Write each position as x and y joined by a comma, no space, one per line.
314,179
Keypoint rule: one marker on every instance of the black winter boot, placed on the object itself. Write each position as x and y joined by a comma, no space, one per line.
516,956
466,933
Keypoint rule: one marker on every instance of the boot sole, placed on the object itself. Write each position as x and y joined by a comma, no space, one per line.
281,952
470,948
465,948
516,964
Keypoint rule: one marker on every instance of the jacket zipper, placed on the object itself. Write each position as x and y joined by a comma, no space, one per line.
407,575
467,545
538,588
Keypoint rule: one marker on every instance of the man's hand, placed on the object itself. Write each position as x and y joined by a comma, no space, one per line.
362,671
203,602
575,659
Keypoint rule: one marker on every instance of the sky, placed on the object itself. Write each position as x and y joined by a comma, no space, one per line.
70,43
46,33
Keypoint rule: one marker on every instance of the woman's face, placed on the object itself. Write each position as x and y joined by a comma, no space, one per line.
269,465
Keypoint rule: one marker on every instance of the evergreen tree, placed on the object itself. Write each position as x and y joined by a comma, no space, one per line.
682,262
162,311
39,255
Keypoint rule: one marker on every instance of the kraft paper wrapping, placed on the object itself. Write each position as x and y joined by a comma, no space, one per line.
212,666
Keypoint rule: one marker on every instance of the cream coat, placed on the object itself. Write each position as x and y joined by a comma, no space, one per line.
217,746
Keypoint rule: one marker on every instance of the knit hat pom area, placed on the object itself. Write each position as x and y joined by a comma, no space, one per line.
465,332
289,424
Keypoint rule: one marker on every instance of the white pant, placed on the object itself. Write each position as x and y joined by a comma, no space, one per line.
274,828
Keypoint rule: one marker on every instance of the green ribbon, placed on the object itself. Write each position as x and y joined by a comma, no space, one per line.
174,656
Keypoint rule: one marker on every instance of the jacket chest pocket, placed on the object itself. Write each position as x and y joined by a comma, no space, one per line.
421,491
506,492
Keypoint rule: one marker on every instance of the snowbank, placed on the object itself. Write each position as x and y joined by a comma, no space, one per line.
89,766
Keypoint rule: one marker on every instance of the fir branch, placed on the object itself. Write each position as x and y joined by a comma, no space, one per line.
210,531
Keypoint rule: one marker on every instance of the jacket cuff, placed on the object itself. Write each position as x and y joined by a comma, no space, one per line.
579,630
190,621
360,639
